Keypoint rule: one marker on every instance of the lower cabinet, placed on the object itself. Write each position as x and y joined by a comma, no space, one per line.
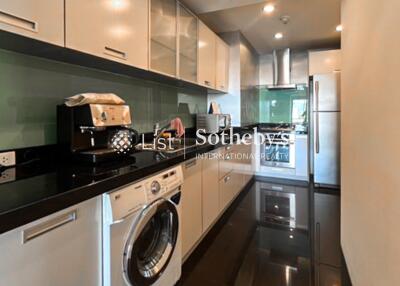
192,218
210,185
210,194
229,187
62,249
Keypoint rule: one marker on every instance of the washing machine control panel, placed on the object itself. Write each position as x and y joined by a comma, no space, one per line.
164,183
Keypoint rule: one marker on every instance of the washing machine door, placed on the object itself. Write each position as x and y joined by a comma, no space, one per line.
151,243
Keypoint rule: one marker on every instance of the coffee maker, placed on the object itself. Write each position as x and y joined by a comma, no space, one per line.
87,132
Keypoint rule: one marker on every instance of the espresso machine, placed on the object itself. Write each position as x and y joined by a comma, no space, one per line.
95,133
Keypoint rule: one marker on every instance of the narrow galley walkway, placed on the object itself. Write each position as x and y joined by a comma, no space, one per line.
289,237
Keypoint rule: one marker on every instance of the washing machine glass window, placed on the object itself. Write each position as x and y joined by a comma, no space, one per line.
151,243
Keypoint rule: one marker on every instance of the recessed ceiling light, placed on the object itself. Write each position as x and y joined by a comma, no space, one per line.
339,28
269,8
278,36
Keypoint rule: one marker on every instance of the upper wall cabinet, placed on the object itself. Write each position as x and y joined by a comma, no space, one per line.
117,30
321,62
222,76
188,38
40,19
207,56
163,36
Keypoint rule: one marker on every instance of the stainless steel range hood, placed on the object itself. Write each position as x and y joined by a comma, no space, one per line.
281,70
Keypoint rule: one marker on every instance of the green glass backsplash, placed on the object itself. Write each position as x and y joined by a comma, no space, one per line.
284,106
30,89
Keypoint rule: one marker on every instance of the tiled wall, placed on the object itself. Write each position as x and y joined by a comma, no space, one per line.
30,89
284,106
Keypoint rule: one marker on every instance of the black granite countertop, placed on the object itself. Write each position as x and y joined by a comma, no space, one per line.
63,185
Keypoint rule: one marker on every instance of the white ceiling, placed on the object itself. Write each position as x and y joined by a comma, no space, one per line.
312,22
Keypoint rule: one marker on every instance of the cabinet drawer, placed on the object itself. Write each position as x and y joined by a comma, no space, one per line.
229,186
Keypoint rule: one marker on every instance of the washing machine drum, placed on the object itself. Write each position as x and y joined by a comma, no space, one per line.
151,243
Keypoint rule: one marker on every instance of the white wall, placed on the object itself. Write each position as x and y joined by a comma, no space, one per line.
371,141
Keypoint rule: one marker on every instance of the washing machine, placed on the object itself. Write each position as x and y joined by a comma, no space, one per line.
141,232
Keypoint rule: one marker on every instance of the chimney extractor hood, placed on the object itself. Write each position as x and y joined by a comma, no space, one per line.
281,70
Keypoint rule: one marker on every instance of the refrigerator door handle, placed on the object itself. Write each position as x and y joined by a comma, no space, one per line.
316,108
317,117
317,132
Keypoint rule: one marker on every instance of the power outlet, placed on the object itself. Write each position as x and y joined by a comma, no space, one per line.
7,175
7,159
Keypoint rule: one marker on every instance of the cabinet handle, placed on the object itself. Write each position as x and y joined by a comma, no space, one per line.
317,249
190,164
19,22
45,227
277,188
227,178
115,53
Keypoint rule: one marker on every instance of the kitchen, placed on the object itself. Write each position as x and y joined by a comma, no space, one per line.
102,177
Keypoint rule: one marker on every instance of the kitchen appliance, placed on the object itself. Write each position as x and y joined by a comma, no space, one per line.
213,123
277,205
141,232
281,70
95,132
279,146
326,129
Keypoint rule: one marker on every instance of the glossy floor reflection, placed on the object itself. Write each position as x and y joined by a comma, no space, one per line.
267,238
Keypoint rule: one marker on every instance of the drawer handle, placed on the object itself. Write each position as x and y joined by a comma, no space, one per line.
115,53
277,188
45,227
227,178
206,82
190,164
19,22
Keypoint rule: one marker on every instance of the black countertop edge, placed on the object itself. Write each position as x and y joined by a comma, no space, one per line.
16,217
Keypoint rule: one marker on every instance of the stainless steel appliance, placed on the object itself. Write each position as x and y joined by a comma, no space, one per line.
213,123
279,146
326,129
95,132
277,205
281,70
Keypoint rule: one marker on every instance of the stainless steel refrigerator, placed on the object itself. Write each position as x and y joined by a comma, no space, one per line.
326,129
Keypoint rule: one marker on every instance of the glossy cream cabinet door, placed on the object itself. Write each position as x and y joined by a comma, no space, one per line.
62,249
163,36
322,62
116,30
39,19
222,73
210,194
207,56
191,205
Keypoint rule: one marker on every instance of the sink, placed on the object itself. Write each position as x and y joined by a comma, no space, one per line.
173,145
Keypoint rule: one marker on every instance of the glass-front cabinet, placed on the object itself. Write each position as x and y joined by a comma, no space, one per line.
188,37
163,37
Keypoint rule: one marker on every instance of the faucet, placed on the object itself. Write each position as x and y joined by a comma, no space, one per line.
158,131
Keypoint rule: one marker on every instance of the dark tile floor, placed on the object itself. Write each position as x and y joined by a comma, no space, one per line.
246,249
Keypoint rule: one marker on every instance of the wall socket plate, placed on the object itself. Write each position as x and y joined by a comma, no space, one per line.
7,175
7,159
